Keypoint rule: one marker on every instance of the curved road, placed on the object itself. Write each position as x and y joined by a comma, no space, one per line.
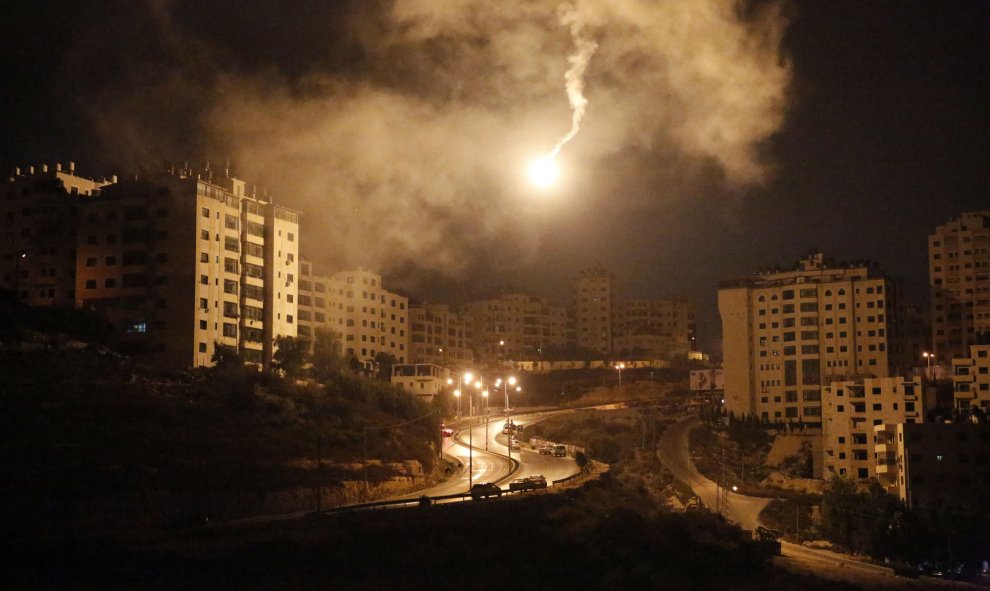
490,458
675,454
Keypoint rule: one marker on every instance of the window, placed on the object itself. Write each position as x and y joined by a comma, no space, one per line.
205,212
230,309
231,243
204,280
204,257
229,330
230,286
202,325
204,304
230,222
202,347
291,237
204,234
90,261
91,284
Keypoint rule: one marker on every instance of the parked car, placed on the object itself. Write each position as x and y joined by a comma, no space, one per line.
509,428
537,480
446,431
483,490
514,443
546,449
560,451
520,484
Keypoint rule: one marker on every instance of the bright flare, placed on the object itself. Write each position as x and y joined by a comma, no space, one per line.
544,171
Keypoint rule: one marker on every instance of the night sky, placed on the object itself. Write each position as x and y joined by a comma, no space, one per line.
719,137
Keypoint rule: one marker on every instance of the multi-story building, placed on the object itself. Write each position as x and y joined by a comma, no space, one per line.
959,268
424,380
851,409
935,465
656,328
971,379
516,326
368,318
181,262
786,334
39,212
441,336
595,301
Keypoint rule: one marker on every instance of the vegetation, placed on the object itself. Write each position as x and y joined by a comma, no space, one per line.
606,535
97,441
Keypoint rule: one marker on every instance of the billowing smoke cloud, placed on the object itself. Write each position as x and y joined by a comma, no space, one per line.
402,130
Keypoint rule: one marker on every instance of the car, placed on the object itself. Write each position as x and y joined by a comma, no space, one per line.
446,431
514,443
560,451
537,480
546,449
483,490
508,428
520,484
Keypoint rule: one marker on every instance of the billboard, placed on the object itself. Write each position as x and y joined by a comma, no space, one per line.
702,380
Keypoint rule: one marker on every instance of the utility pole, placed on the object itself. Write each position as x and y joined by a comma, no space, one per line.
797,523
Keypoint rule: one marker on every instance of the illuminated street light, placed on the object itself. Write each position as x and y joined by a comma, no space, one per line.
620,367
457,395
928,359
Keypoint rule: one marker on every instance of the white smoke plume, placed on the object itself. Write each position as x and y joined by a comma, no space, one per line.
574,77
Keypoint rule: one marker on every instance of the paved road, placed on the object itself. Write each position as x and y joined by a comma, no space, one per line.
675,454
490,458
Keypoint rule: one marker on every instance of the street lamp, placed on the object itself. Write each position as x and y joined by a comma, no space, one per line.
484,411
928,359
620,367
457,395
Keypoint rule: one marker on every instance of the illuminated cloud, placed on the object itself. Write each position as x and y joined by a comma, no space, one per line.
403,129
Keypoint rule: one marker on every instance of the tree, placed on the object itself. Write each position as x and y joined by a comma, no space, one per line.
326,358
291,354
226,356
384,362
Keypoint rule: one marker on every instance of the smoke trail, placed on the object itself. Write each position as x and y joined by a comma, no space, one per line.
574,77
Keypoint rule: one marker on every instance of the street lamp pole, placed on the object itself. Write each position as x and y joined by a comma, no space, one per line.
620,367
928,359
484,411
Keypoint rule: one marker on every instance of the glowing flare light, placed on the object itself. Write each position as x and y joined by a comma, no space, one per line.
544,171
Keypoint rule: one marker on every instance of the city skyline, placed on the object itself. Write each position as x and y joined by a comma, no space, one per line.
872,133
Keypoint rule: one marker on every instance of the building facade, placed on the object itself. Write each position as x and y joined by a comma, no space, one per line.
595,307
851,410
182,262
787,334
441,336
959,269
369,319
935,465
424,380
515,326
39,211
971,379
661,329
177,262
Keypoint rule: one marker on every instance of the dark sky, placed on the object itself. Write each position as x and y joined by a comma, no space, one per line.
853,127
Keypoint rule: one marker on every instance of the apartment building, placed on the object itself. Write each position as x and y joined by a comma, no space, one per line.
515,326
661,329
39,209
935,465
368,318
180,262
424,380
971,379
595,307
786,334
441,336
959,269
851,410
